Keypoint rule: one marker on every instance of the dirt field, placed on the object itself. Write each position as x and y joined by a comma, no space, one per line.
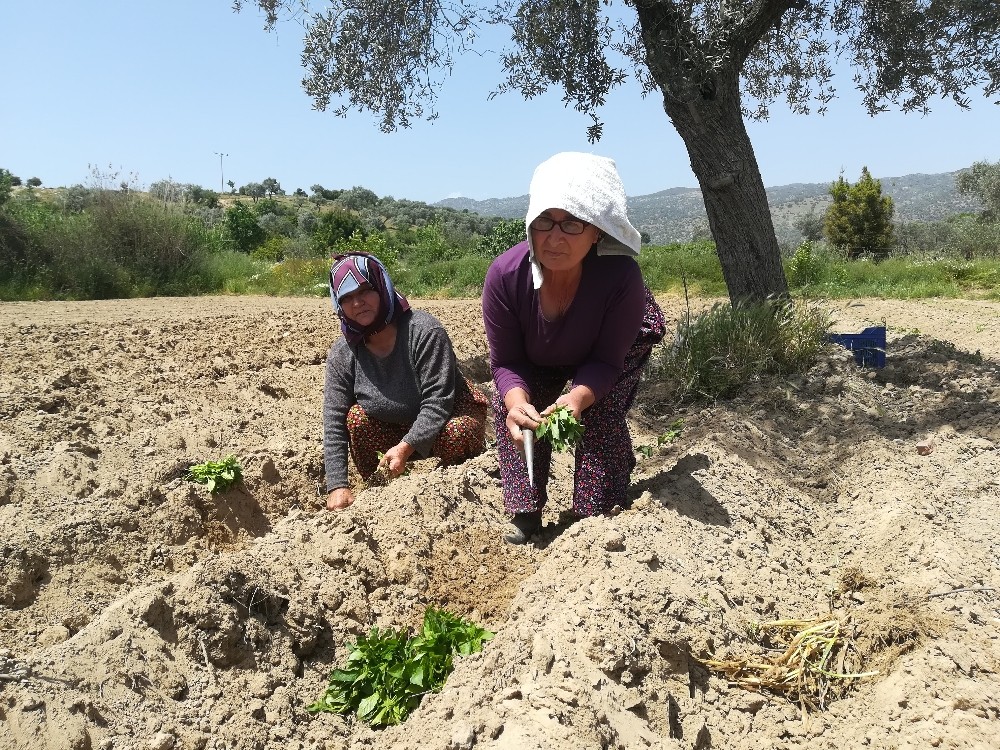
138,611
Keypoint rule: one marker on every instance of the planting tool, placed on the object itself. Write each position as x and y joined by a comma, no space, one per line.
529,452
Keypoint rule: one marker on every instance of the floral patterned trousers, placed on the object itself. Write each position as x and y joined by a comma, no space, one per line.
462,437
604,456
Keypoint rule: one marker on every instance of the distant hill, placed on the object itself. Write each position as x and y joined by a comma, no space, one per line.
677,214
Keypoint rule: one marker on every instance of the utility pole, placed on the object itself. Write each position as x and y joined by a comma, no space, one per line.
222,175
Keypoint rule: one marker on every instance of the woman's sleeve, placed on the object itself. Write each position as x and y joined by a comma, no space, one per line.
508,357
433,360
338,396
619,328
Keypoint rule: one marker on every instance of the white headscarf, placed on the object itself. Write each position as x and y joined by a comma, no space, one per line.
587,186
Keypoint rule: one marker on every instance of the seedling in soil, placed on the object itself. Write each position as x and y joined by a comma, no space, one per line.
561,429
665,439
387,673
218,475
672,434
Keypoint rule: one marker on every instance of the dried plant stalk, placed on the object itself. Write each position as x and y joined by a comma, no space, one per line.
810,669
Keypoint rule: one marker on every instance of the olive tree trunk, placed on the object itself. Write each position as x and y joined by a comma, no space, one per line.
723,160
700,82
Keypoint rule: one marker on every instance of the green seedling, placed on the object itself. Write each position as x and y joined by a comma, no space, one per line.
676,427
387,673
561,429
666,438
218,475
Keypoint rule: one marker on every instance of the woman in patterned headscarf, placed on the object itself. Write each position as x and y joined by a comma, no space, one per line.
392,383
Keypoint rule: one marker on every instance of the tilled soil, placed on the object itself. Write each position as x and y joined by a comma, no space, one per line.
139,611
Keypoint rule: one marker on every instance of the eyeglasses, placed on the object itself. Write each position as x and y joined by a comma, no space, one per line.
568,226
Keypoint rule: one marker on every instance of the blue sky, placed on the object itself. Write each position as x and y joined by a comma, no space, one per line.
156,90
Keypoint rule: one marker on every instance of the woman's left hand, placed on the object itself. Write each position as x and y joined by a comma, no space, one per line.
395,458
579,398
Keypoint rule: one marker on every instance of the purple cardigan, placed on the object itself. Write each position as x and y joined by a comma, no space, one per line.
590,340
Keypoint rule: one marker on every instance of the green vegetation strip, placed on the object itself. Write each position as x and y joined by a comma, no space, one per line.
387,673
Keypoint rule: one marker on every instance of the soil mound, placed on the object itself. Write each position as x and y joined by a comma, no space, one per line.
140,612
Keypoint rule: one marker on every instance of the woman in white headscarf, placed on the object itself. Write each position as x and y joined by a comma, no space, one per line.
569,306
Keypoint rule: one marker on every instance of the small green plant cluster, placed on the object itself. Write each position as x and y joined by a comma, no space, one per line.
387,673
218,475
561,429
676,427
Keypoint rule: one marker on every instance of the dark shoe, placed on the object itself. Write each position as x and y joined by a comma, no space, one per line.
523,526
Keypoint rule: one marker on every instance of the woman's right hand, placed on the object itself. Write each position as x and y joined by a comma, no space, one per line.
520,417
339,499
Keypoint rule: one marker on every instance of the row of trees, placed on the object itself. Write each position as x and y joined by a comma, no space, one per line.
112,240
9,180
859,220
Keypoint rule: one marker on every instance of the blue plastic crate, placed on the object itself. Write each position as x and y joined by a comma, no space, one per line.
868,346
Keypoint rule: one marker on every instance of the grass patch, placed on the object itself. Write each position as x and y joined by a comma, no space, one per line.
814,271
691,265
295,277
715,354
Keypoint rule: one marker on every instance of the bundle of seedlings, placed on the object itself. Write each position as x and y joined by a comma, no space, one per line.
387,672
217,475
561,429
810,667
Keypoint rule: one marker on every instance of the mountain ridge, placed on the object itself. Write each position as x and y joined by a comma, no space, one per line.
677,214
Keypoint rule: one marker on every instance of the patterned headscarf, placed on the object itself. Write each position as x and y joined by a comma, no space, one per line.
348,273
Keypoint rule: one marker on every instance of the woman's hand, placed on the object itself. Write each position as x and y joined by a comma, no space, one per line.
395,459
579,398
339,499
520,417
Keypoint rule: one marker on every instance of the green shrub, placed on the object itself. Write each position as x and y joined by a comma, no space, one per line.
716,353
506,233
332,228
241,228
804,267
428,244
272,251
122,245
6,184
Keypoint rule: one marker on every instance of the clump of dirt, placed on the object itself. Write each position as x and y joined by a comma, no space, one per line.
138,611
